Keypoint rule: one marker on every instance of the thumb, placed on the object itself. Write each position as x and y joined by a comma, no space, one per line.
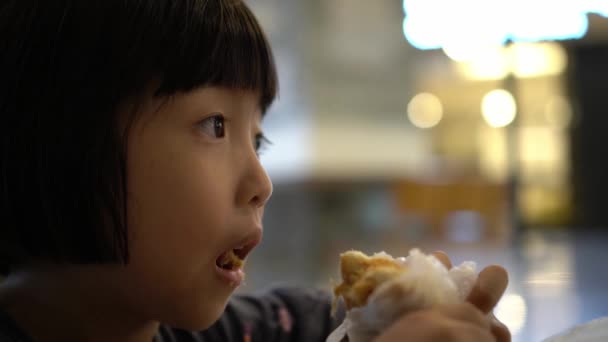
489,288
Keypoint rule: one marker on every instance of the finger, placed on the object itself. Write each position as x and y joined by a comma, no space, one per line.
435,325
500,331
444,258
460,331
466,312
415,326
490,286
478,334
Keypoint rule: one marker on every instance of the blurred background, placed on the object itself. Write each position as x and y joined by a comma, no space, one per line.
473,127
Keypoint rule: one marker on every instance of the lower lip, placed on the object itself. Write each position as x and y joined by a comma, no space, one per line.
233,278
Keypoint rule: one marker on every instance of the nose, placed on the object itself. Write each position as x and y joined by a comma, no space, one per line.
255,188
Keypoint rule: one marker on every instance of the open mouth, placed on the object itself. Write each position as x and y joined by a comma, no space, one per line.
229,264
232,260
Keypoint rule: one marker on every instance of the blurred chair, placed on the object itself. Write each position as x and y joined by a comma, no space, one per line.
450,205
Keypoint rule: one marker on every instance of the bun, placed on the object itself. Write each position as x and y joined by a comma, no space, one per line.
379,289
362,274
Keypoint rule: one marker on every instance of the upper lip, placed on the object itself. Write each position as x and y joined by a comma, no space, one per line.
243,247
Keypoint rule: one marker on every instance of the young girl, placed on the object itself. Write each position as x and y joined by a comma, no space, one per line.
130,185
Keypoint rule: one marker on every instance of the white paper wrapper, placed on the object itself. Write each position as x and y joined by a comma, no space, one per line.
594,331
426,283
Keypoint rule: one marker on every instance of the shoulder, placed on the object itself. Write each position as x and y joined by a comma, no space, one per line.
281,314
287,313
9,331
281,303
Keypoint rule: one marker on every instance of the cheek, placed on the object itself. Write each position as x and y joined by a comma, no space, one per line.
177,221
179,205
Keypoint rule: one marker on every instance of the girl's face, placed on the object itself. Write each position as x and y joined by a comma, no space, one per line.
196,190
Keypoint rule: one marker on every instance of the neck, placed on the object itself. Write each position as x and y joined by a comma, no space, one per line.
68,306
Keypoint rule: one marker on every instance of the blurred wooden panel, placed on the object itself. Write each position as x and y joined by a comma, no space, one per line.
436,201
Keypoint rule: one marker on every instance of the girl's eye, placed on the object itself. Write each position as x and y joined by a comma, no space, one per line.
261,143
214,126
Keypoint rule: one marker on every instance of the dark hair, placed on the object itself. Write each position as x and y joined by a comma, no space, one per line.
65,68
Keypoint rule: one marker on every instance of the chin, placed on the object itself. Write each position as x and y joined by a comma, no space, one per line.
199,318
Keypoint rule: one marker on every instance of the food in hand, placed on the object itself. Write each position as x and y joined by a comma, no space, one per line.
361,275
378,289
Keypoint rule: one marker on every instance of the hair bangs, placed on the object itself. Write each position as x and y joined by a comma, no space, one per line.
227,48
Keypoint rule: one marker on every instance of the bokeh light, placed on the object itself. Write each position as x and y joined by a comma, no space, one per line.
537,59
431,24
498,108
425,110
512,311
523,60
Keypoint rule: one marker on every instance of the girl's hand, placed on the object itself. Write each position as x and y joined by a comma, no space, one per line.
462,322
450,323
490,286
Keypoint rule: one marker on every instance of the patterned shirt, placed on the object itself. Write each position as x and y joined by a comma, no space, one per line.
280,315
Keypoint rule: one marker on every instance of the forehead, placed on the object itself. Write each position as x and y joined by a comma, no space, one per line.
222,99
202,101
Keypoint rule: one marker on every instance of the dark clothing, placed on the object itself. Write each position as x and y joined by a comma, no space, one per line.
281,315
